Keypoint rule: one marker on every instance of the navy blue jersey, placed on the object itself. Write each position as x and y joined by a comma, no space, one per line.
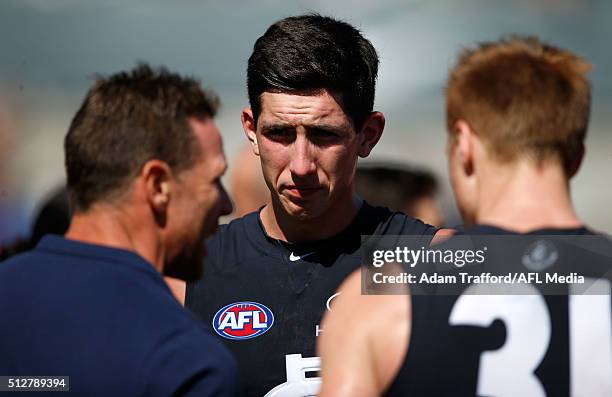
105,318
265,298
532,343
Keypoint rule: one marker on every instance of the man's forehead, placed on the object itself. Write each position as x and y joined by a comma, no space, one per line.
296,108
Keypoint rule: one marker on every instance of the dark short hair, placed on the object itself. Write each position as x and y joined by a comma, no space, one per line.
313,52
126,120
394,186
524,97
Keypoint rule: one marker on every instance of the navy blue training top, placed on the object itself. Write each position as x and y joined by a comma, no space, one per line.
105,318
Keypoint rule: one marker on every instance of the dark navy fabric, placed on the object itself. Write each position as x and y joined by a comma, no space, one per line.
105,318
445,359
247,265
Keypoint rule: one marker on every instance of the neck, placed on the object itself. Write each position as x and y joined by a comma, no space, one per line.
282,226
524,197
110,226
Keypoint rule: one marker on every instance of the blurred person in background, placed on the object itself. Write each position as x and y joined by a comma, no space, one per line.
143,160
4,139
53,217
7,121
517,117
400,188
247,186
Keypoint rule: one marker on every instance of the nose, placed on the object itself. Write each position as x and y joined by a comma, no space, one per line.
226,203
303,160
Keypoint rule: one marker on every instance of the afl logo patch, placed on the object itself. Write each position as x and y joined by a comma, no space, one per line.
243,320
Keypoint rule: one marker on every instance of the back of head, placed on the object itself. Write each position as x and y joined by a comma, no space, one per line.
126,120
397,188
312,52
523,98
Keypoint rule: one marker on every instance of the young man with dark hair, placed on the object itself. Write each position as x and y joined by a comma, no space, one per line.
144,160
311,82
517,113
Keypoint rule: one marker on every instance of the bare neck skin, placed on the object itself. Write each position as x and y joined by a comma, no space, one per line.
281,226
125,228
523,196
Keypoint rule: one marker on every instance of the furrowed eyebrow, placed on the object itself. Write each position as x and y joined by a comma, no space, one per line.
333,129
275,127
338,129
324,127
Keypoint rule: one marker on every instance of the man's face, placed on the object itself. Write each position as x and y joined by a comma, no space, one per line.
197,201
308,148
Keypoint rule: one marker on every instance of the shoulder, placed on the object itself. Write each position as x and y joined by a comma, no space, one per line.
382,221
9,264
374,339
238,226
183,349
9,271
189,359
396,223
372,308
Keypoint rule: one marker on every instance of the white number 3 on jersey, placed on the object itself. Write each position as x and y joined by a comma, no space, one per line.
509,371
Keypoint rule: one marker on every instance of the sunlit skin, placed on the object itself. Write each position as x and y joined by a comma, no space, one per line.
199,200
199,197
309,148
164,214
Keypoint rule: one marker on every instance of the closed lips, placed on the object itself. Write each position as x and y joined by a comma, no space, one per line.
302,191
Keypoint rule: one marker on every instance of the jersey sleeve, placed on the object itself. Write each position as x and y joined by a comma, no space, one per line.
405,225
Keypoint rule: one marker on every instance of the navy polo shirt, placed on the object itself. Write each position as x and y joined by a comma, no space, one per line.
105,318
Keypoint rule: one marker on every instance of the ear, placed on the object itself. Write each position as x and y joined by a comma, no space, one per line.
462,145
371,131
574,166
250,129
157,175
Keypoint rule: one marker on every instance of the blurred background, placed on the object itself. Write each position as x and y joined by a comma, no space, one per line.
51,50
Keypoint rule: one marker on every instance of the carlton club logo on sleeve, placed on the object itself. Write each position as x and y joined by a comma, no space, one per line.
243,320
